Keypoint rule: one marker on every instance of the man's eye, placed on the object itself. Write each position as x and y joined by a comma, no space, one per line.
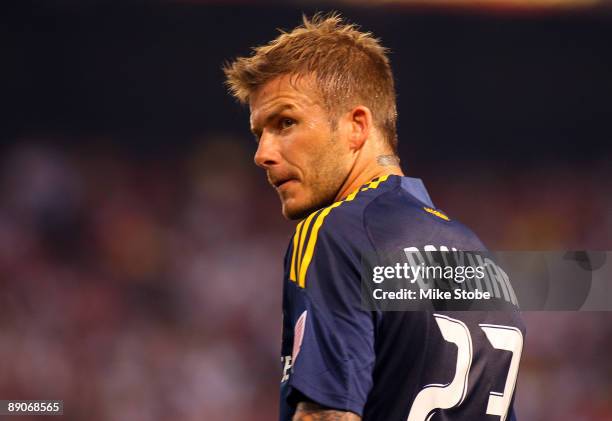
285,123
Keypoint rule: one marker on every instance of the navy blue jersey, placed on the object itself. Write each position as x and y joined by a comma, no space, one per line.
388,366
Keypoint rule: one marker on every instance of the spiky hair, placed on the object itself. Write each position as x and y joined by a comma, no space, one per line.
350,67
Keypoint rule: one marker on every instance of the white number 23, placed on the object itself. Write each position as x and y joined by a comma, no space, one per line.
437,396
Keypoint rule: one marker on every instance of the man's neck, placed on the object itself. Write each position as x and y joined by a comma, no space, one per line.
384,165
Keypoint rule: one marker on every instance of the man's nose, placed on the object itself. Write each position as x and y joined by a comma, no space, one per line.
266,155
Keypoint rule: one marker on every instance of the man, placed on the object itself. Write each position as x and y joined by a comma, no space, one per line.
323,112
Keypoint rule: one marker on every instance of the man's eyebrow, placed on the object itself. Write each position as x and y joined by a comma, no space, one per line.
272,115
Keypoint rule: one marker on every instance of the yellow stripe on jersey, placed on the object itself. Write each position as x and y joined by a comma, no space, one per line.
292,272
304,263
302,240
374,184
437,213
312,240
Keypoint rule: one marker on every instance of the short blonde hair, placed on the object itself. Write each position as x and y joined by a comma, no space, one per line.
351,67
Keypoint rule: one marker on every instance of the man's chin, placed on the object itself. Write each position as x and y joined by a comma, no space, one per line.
293,211
293,214
300,205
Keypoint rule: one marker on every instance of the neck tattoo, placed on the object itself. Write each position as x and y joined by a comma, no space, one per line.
388,160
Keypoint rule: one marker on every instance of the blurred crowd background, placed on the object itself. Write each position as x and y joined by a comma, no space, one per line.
141,250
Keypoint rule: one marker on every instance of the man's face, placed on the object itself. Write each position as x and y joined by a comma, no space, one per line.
305,160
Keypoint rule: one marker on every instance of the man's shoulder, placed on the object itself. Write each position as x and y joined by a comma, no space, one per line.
344,220
401,219
333,236
387,213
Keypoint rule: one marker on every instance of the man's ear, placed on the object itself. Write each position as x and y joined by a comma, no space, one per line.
360,126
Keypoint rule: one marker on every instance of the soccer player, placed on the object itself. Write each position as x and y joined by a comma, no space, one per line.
323,112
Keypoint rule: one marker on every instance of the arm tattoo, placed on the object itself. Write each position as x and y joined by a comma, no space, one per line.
388,160
309,411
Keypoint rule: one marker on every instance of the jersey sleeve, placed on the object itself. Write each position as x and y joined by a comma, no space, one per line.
333,345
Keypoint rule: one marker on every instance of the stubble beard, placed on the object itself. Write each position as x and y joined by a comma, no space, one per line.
325,179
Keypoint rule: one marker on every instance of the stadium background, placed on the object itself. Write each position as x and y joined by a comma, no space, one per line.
140,249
